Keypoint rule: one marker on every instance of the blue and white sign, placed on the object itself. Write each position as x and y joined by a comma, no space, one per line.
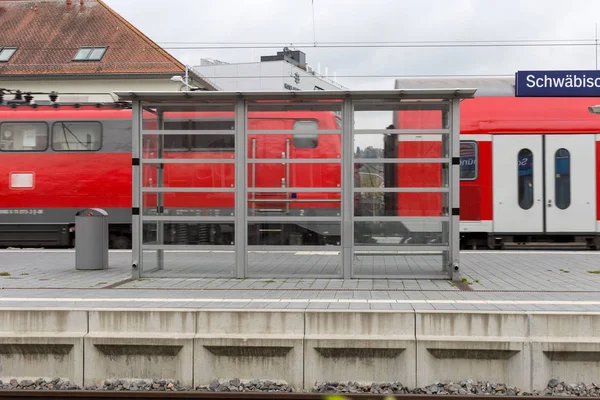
557,83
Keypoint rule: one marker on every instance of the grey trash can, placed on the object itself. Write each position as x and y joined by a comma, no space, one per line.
91,239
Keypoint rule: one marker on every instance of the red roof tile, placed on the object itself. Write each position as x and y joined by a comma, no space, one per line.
48,37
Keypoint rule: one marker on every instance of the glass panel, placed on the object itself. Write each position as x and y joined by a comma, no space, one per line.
418,204
211,134
23,136
189,233
326,263
525,181
468,161
299,233
188,263
378,146
6,53
562,183
294,175
400,175
76,136
302,204
281,146
212,204
389,264
200,143
201,175
97,53
394,233
83,53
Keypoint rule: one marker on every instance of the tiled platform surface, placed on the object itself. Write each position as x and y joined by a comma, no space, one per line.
509,280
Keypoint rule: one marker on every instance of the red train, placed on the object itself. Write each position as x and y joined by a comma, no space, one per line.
528,173
528,165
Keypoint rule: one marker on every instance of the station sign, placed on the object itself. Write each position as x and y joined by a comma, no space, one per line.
576,83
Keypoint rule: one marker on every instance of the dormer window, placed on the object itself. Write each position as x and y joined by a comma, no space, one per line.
90,54
6,53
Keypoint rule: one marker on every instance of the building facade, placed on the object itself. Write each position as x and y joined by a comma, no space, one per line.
285,71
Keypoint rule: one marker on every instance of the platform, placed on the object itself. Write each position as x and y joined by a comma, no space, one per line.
502,280
518,318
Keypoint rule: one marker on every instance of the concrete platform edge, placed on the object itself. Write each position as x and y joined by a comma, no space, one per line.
300,347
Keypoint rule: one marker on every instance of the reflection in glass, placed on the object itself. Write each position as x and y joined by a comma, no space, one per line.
394,233
562,183
189,233
211,204
423,204
525,181
301,233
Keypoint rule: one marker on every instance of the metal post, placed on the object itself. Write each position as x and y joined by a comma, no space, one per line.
160,174
455,191
136,229
241,199
347,228
446,181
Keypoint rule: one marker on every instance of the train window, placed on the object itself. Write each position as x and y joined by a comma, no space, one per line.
525,178
23,136
76,136
196,143
468,161
176,142
306,136
562,178
212,142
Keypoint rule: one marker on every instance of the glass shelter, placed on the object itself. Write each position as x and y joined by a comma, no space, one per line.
320,184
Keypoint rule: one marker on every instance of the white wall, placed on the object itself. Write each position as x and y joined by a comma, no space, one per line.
268,75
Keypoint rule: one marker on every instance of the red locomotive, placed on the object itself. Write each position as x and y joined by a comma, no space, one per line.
57,160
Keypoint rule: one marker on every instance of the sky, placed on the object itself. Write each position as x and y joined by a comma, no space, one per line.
173,23
283,22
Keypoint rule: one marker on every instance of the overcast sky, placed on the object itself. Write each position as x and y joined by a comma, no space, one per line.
290,21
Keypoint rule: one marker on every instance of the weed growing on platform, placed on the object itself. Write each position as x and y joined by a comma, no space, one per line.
4,273
597,271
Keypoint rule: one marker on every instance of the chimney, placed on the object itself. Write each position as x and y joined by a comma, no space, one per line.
81,6
69,5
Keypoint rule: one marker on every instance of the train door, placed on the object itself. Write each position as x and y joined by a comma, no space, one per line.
570,183
517,179
544,183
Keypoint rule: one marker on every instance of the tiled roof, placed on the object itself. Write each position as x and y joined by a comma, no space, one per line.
48,36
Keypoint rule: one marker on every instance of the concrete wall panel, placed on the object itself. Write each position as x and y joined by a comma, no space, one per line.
456,346
361,346
140,344
249,345
42,344
565,347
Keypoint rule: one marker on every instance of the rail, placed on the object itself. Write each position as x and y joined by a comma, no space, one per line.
110,394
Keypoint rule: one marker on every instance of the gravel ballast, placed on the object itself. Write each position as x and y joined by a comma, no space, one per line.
468,387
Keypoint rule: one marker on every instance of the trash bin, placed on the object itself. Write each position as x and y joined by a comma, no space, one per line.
91,239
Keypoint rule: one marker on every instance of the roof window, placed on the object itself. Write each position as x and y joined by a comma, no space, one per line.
90,54
6,53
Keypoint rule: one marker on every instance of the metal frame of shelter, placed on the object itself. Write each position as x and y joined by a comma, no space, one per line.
149,257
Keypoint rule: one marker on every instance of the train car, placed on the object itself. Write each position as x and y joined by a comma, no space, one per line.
528,171
59,159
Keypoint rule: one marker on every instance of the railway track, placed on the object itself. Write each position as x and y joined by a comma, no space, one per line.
109,394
